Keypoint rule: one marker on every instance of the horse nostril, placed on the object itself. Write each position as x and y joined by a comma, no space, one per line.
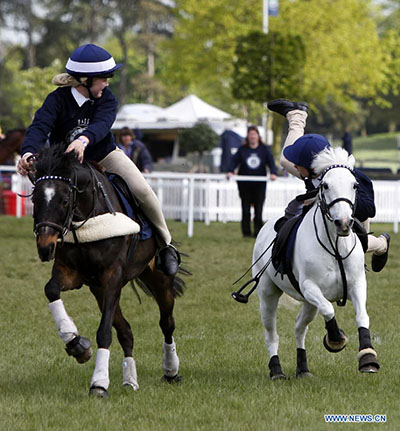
338,223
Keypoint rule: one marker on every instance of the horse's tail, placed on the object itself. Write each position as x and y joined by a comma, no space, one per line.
178,286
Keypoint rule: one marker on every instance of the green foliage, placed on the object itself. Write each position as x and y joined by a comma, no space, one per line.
199,138
25,92
199,57
267,66
345,58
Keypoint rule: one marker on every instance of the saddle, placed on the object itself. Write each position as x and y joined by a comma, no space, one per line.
130,205
285,238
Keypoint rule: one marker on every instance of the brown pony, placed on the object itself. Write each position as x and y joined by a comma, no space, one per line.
65,193
11,144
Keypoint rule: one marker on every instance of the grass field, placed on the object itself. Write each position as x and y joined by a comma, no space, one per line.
220,342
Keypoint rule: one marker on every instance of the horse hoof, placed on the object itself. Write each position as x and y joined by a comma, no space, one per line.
369,369
335,346
279,376
176,379
98,392
368,363
80,349
304,375
134,387
85,356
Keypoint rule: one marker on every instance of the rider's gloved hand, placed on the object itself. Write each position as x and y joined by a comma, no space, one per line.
25,163
78,145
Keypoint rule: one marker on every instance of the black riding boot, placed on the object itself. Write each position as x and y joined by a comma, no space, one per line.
168,260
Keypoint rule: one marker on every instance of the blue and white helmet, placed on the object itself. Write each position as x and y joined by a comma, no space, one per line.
90,61
305,148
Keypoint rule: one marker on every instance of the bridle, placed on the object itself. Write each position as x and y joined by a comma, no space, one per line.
72,204
72,190
325,207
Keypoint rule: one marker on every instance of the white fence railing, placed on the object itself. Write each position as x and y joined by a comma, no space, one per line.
211,197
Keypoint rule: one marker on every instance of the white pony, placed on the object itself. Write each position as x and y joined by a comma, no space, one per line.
327,256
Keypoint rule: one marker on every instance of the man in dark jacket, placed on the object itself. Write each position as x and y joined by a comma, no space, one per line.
136,150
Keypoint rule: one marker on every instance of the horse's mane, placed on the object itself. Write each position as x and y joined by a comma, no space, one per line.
54,161
332,156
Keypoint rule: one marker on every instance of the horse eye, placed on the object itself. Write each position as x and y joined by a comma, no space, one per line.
325,186
65,202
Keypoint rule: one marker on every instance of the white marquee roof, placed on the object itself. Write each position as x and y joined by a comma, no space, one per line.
182,114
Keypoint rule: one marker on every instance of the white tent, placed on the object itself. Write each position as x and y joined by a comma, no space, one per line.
182,114
163,124
193,109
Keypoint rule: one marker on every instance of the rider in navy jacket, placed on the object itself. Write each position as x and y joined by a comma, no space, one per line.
80,115
297,156
62,120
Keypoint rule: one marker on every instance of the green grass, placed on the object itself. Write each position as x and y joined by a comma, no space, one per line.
220,342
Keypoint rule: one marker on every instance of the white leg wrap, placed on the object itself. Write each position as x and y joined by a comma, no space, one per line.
170,359
129,375
65,325
100,375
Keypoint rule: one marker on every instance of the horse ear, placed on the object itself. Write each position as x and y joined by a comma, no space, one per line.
351,161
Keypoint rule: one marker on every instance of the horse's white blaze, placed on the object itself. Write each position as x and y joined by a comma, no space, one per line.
49,193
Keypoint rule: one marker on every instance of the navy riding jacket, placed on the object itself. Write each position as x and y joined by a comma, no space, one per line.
253,161
61,120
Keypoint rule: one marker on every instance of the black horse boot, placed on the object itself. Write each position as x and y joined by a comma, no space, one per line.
379,261
283,106
168,260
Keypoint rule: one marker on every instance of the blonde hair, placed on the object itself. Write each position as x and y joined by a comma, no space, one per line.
67,80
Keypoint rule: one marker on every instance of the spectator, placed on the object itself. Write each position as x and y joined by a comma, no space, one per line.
347,141
136,150
252,158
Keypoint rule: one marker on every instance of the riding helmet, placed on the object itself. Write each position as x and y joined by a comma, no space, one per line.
91,61
303,150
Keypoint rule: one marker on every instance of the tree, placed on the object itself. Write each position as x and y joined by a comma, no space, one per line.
267,65
199,57
345,59
198,139
20,15
23,91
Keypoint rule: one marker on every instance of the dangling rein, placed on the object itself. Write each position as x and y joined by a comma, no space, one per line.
238,296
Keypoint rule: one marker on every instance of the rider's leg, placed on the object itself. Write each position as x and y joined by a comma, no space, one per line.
296,114
379,246
119,163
